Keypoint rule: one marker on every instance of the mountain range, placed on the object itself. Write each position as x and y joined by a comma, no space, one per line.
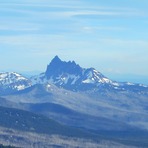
79,97
67,75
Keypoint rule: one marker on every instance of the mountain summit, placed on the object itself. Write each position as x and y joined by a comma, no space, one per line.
58,67
56,60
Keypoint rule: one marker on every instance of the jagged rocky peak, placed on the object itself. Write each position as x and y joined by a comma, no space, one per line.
57,67
55,60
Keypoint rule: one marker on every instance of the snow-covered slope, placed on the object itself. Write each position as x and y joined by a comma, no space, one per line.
12,81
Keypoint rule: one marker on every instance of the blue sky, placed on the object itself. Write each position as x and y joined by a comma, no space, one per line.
111,36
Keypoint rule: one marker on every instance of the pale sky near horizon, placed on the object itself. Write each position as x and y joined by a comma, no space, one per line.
109,35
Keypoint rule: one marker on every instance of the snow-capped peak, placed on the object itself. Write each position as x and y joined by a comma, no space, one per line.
11,77
93,76
13,81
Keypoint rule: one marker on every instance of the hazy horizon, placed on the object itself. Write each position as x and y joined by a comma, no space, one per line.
110,36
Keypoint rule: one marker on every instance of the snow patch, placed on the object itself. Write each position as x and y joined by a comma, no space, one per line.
20,87
88,81
128,83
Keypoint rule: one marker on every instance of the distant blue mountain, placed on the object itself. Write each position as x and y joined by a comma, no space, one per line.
71,76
